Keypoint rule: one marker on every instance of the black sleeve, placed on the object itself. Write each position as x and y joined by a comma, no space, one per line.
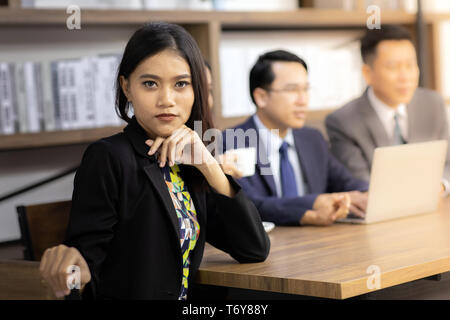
93,214
235,227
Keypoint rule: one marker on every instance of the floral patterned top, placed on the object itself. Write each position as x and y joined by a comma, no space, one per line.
187,220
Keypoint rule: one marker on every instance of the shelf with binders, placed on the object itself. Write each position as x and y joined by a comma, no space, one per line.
41,100
57,102
54,49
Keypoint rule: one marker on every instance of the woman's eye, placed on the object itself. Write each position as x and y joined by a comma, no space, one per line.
150,84
181,84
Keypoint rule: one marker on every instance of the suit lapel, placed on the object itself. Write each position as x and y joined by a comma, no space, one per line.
266,173
373,123
306,159
414,120
262,163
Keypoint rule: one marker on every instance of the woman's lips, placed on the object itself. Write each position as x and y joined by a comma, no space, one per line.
166,116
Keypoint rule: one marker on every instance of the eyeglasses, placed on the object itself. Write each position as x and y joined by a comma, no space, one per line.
291,89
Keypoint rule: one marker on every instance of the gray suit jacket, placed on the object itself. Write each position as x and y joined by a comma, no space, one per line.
355,129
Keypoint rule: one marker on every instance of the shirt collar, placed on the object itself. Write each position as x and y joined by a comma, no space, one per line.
383,110
271,140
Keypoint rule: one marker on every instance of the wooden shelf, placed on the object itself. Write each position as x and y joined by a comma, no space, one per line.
308,17
55,138
299,18
58,138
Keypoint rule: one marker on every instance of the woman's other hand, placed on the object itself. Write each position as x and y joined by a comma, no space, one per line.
59,267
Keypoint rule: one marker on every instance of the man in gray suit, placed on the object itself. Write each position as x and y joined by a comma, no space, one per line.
392,110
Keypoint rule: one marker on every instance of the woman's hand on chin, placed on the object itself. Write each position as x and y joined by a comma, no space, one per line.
185,146
182,146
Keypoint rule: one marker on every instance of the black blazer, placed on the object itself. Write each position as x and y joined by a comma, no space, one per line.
124,223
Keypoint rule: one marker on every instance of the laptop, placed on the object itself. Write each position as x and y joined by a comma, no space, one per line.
405,180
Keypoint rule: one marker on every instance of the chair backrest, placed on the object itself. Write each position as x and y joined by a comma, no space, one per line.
43,226
21,280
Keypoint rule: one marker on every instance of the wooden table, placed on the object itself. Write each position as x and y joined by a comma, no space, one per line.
333,262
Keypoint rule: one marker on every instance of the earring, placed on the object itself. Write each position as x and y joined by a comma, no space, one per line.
130,110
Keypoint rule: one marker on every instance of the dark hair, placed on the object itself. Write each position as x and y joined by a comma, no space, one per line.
153,38
372,38
262,76
148,41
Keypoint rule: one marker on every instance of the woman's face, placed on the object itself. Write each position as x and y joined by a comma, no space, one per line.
160,89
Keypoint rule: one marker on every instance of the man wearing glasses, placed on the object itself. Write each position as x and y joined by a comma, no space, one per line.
297,181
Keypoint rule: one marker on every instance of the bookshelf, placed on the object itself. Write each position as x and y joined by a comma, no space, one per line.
206,27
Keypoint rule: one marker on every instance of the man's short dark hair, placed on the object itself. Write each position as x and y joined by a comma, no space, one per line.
262,76
372,38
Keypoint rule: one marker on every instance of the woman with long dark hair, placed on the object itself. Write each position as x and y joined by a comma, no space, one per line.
145,200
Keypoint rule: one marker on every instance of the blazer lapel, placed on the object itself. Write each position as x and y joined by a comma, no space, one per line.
198,198
137,136
156,178
373,123
200,207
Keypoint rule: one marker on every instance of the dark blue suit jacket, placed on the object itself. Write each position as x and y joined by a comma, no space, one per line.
322,173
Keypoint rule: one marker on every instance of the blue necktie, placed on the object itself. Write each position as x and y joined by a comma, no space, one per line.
287,175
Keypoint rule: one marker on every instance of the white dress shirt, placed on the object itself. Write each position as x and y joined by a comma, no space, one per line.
386,115
271,143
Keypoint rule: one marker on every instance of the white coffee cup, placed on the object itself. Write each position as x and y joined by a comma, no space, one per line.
245,160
